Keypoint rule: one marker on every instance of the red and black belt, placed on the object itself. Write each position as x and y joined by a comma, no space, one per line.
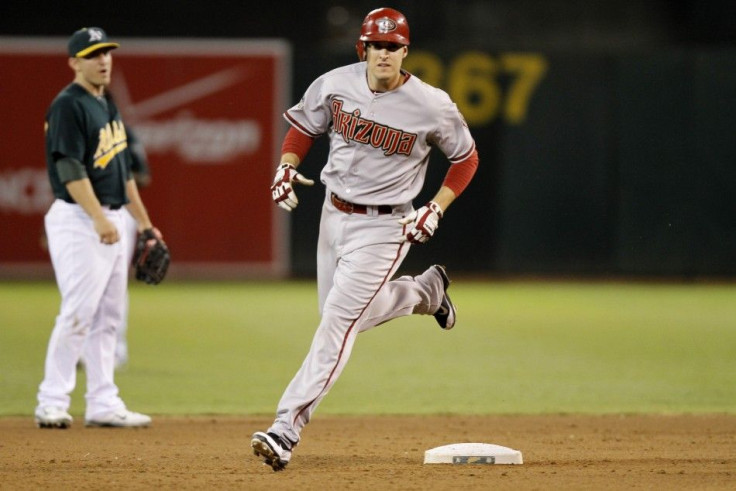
348,207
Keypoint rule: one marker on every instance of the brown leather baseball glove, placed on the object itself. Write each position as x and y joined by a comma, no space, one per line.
151,258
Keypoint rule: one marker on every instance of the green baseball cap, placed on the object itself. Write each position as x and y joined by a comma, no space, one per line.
88,39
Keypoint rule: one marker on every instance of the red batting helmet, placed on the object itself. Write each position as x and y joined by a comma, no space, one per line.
383,24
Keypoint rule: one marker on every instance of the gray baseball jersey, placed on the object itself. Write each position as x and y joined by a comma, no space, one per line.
379,142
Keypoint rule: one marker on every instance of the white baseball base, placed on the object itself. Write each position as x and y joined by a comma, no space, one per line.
472,453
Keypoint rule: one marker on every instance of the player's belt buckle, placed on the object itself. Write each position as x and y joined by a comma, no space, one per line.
342,205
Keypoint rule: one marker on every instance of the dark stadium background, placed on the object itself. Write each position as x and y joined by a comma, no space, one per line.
625,164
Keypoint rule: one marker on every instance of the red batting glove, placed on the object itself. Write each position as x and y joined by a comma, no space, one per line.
424,222
282,190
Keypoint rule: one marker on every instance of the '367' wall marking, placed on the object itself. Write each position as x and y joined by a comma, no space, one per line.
484,87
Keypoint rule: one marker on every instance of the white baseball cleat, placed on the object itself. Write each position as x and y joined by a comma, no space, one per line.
122,418
272,448
52,417
445,315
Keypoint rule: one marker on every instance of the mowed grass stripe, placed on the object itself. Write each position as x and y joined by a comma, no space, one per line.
519,347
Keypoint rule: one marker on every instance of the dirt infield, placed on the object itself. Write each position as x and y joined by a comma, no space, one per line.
560,452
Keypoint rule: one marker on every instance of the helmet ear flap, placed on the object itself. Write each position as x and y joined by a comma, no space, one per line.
360,49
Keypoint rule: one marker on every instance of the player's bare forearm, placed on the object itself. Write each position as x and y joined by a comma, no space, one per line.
444,197
136,207
83,194
290,158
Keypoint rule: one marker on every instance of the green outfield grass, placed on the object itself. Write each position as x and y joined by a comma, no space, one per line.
519,347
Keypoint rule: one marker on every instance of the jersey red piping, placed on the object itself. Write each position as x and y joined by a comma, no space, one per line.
464,156
298,126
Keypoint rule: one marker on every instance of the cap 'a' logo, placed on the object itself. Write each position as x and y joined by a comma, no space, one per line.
95,35
385,25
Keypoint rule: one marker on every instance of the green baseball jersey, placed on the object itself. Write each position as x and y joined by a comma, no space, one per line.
90,130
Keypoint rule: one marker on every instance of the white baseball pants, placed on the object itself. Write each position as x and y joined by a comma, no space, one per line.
92,278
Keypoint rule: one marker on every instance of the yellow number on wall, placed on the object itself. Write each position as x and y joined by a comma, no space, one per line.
472,85
473,82
529,70
426,66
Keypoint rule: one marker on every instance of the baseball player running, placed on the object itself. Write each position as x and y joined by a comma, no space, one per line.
88,163
382,123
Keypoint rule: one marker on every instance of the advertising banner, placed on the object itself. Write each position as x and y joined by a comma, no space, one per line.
208,115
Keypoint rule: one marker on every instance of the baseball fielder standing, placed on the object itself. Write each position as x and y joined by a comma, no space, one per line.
142,175
88,163
382,123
